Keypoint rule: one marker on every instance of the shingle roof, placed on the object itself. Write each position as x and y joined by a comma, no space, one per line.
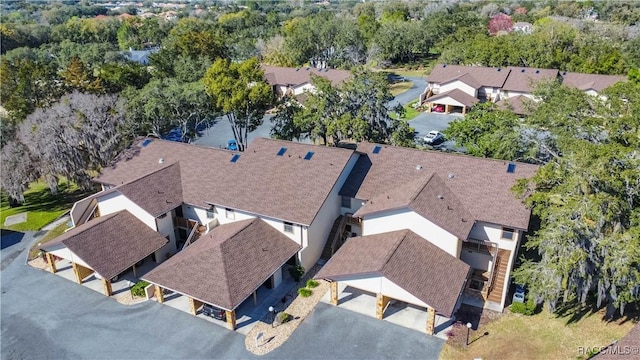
485,76
157,192
625,349
429,197
465,78
406,259
590,81
283,187
286,76
517,104
112,243
457,95
524,79
483,186
225,266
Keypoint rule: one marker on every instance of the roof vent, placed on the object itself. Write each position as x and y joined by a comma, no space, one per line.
161,161
282,151
376,149
440,197
309,155
511,168
522,70
307,69
418,167
451,176
146,142
235,158
297,69
537,71
444,65
499,69
564,73
326,70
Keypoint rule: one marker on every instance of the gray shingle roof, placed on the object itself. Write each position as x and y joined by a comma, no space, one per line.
484,76
283,187
429,197
112,243
590,81
457,95
157,192
524,79
483,186
406,259
225,266
285,76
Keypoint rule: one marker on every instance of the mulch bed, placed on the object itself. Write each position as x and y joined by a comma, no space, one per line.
478,318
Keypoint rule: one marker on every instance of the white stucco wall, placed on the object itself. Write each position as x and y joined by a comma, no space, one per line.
376,283
510,94
476,260
64,252
492,232
407,219
321,227
115,201
165,228
355,205
302,88
277,278
460,86
447,101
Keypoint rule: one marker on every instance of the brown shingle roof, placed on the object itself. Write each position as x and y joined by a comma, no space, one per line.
286,76
467,79
157,192
524,79
429,197
483,186
625,349
517,104
406,259
225,266
485,76
112,243
283,187
590,81
457,95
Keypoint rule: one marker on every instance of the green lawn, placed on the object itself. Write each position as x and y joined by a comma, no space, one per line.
54,233
41,207
541,336
400,87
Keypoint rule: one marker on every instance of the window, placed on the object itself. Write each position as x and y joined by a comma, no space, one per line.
288,227
230,214
346,202
210,213
507,233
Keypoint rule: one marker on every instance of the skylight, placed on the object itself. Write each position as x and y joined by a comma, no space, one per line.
511,168
309,155
146,142
282,151
235,158
377,149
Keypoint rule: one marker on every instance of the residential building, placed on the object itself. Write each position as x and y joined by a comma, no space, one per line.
296,81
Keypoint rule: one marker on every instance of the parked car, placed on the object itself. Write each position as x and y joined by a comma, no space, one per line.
438,108
434,137
232,145
214,312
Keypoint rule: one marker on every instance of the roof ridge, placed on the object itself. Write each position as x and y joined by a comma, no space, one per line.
151,173
225,276
419,189
396,245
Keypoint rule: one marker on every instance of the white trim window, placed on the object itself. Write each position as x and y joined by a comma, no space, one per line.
288,227
508,233
230,214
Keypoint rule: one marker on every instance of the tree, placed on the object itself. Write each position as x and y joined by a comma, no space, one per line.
284,127
77,134
77,77
19,169
239,91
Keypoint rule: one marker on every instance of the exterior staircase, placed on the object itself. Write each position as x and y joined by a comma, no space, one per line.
332,241
499,274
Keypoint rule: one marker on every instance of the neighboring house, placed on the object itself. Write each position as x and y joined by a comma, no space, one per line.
523,27
518,104
592,84
296,81
462,205
139,56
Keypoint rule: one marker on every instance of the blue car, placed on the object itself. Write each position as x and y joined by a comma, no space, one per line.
232,145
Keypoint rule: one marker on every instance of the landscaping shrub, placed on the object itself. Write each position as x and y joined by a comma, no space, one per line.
528,308
138,288
305,292
296,272
282,317
312,283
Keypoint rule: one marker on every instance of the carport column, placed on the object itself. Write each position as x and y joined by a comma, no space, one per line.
52,263
334,293
446,109
431,320
159,294
231,319
76,271
106,284
464,110
381,304
194,305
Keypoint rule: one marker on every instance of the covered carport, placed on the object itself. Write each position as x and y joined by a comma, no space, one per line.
225,267
451,100
106,246
401,266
